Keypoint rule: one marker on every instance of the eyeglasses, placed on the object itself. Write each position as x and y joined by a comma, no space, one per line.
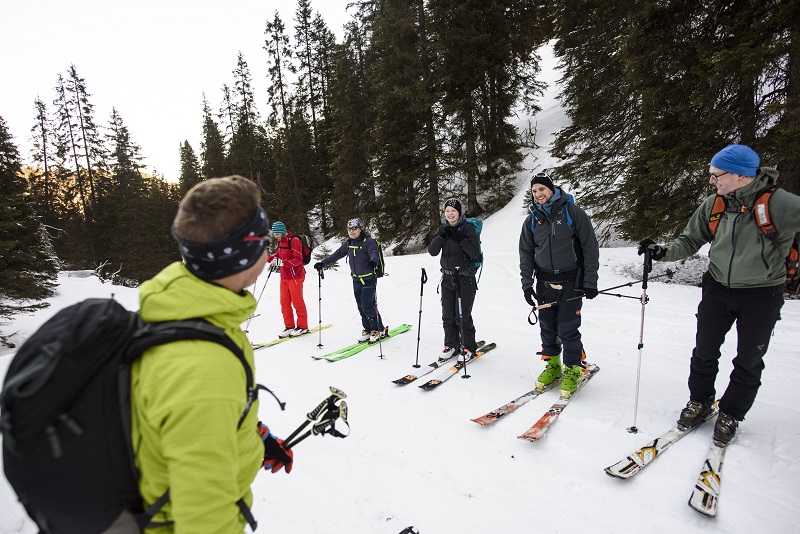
716,177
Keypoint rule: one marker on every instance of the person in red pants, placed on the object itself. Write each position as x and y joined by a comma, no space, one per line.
293,274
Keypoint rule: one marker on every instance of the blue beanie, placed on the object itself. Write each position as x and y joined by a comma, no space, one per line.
737,159
278,228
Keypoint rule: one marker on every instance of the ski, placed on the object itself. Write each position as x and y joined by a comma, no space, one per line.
705,497
637,460
274,342
540,427
494,415
407,379
352,350
453,370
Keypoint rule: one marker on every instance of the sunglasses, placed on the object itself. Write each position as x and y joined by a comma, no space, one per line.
352,228
716,177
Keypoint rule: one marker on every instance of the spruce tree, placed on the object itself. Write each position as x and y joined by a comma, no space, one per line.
402,109
28,265
212,147
351,126
190,168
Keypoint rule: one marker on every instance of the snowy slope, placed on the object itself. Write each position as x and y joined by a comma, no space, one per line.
414,457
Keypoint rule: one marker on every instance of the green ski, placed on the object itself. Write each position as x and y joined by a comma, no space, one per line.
352,350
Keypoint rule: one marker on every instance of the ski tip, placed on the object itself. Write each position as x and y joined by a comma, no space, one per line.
616,474
430,384
710,511
405,380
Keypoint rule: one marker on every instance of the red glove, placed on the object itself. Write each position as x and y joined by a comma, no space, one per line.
276,456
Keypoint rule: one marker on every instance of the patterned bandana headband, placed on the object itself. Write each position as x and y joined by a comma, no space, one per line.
228,255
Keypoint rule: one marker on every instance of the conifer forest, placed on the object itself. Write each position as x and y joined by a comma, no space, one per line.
419,100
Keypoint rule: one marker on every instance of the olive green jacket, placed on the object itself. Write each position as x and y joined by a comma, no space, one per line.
740,254
187,398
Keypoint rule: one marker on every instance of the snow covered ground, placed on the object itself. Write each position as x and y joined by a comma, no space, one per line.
415,458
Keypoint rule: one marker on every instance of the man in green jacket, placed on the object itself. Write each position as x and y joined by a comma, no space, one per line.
744,284
188,396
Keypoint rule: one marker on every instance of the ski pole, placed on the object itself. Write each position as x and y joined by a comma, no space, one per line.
315,413
460,319
423,279
378,321
646,268
319,292
258,300
669,274
327,412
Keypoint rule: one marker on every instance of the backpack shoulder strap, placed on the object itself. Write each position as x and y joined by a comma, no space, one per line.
568,216
761,214
151,334
720,206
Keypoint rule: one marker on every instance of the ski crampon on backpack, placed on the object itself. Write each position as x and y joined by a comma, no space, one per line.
760,210
65,416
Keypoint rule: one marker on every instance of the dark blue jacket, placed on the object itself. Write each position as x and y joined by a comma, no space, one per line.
359,252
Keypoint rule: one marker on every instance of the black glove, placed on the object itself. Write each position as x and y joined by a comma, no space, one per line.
444,230
590,292
318,266
371,264
530,296
656,251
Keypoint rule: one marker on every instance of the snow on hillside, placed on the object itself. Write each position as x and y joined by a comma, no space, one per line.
415,458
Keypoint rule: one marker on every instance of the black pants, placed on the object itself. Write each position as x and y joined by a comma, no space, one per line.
755,312
467,287
560,321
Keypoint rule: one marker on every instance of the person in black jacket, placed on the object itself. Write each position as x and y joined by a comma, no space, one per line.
558,246
460,246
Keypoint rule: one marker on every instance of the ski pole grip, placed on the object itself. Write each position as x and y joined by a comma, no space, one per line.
424,277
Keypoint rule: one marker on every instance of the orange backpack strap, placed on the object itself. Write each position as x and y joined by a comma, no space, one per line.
761,214
719,207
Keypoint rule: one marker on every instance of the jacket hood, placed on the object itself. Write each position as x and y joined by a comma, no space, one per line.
746,195
533,207
176,294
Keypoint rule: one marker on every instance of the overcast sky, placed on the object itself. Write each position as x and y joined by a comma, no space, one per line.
151,59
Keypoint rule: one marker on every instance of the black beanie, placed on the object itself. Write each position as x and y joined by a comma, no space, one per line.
455,204
543,179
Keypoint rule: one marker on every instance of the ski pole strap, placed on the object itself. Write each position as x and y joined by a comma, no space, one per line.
328,406
535,317
265,388
327,425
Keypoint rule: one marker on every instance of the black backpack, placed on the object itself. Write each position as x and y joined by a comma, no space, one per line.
65,415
